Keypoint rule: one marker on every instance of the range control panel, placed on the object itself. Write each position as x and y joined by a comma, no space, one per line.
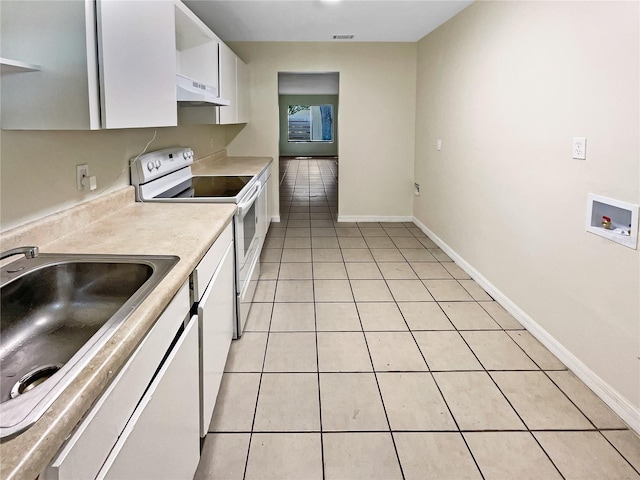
152,165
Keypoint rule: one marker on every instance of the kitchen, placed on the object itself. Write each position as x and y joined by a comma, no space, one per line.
574,60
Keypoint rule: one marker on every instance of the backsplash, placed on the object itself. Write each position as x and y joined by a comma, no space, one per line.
38,167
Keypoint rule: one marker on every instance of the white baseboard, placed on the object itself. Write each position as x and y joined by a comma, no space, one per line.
275,218
619,404
372,218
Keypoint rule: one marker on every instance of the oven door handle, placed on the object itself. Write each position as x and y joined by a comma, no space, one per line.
252,198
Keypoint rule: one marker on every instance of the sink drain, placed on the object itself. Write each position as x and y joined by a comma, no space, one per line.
34,378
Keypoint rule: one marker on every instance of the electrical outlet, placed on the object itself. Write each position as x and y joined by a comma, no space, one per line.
81,171
580,148
416,189
438,144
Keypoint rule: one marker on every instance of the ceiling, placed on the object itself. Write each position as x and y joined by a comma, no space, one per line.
319,20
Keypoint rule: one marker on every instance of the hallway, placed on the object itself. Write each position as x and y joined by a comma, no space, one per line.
369,354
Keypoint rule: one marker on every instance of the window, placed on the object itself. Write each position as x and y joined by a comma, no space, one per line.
310,123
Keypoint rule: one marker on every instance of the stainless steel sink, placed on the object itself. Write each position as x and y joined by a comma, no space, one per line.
56,312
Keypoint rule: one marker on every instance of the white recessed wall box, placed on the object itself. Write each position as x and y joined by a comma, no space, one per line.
613,219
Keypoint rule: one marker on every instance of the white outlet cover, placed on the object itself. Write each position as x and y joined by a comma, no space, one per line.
438,144
580,148
81,171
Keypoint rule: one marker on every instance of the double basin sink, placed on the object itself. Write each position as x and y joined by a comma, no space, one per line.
57,311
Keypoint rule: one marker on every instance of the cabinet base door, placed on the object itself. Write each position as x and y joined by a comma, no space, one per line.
161,440
216,316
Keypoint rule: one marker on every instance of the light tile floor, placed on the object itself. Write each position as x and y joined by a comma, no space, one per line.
370,355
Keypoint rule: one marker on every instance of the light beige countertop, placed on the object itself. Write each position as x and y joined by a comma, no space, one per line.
111,224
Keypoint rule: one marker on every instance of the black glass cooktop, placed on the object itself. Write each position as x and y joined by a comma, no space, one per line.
208,187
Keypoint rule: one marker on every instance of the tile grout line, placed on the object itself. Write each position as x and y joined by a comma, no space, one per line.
255,410
315,322
442,395
472,351
317,351
596,428
375,376
528,429
404,430
495,383
566,395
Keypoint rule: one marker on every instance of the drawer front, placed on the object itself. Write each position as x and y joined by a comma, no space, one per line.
207,266
161,439
86,450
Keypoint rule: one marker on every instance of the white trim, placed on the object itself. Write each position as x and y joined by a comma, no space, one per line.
618,403
275,218
373,218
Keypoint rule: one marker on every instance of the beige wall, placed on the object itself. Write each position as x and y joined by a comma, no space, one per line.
37,168
506,85
376,117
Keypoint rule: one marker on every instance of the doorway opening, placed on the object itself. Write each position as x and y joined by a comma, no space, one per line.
308,145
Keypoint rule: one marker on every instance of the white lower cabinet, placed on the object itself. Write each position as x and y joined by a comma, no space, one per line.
171,396
148,422
216,316
264,220
161,440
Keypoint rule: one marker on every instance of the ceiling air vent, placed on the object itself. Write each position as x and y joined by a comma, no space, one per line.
343,37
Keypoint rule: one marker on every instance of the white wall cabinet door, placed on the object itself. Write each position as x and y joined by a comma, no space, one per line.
228,87
234,86
127,81
137,56
242,93
60,37
161,440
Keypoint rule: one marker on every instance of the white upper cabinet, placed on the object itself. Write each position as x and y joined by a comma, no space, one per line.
228,86
60,38
103,64
233,86
107,64
196,48
242,91
137,63
234,79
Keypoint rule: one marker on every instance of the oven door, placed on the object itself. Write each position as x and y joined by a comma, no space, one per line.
247,253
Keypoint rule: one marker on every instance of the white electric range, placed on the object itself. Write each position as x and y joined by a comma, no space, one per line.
166,176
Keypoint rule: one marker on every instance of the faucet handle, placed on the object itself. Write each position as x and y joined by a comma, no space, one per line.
28,252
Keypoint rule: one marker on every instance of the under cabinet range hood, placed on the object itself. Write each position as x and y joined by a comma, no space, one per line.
192,93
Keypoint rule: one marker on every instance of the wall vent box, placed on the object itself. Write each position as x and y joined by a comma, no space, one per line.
622,214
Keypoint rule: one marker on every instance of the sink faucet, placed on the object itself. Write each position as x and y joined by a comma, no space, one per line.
28,252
